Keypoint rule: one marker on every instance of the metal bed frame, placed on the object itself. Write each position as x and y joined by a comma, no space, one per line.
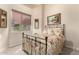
29,43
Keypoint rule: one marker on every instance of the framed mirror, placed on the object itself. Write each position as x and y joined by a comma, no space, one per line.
36,23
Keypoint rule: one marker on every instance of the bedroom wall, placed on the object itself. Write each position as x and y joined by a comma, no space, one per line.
37,14
69,17
16,36
9,37
4,31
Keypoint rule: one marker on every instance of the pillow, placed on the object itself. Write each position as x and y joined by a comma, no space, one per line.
58,31
51,32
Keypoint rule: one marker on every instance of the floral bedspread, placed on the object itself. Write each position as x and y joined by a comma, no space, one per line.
55,43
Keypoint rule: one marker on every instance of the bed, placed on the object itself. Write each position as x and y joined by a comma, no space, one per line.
49,42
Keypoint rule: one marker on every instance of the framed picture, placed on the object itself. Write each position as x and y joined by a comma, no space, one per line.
3,19
54,19
36,23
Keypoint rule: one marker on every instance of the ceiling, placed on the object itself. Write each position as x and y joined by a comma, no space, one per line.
32,5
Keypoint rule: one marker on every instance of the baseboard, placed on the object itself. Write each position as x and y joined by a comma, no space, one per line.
74,48
14,46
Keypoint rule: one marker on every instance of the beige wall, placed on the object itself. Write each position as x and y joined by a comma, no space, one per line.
8,37
69,17
37,14
4,31
16,36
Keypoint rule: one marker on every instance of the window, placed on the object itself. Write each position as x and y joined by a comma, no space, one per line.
20,21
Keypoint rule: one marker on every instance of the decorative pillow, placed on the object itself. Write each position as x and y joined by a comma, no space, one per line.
51,32
58,31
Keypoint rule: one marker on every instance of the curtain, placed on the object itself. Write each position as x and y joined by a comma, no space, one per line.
21,21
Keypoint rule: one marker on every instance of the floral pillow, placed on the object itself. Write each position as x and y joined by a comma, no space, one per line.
58,31
51,32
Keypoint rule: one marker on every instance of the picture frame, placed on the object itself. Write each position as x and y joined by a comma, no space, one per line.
54,19
3,18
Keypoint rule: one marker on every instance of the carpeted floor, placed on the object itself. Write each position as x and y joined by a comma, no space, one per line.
14,51
18,51
69,51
